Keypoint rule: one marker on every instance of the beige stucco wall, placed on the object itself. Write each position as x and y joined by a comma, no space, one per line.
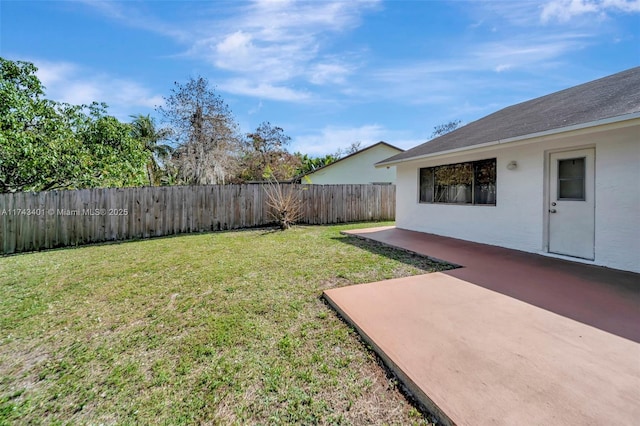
519,218
358,168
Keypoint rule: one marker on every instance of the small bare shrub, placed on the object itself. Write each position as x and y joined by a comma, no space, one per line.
285,203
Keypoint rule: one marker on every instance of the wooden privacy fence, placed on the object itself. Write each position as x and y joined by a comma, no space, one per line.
42,220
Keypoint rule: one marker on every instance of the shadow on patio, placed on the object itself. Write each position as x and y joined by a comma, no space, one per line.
509,338
604,298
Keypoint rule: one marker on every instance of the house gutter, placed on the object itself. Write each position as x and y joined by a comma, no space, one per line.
575,127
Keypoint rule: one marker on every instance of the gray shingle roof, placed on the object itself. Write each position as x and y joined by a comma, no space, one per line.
608,97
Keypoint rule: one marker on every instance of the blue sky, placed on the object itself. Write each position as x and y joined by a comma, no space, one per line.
329,72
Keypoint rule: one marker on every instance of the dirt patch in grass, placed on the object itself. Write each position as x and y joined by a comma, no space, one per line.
212,328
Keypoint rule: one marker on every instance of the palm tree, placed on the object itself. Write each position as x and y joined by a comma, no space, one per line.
144,129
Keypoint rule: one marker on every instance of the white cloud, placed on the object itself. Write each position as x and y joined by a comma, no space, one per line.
127,92
245,55
136,18
67,82
474,68
256,109
76,92
565,10
51,73
503,67
332,138
622,5
236,44
278,20
416,83
275,44
534,50
263,90
498,14
324,73
272,42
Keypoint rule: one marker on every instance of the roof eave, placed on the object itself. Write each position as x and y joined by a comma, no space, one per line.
610,120
353,154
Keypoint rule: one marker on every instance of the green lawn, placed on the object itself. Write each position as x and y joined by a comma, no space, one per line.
209,328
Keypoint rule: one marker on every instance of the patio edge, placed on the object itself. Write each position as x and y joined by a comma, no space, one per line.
411,387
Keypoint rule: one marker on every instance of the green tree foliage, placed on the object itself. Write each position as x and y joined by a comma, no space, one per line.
48,145
310,164
144,129
265,155
112,156
205,134
35,133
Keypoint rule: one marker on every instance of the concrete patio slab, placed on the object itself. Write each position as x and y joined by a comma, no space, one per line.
509,339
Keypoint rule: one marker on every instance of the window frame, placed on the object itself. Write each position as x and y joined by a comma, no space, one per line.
474,184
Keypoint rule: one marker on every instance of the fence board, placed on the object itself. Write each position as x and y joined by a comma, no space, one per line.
69,218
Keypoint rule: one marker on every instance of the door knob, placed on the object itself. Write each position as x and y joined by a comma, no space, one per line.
552,210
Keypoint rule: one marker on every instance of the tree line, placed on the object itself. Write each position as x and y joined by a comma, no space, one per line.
48,145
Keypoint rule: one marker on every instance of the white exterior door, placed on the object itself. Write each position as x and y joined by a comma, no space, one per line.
572,203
